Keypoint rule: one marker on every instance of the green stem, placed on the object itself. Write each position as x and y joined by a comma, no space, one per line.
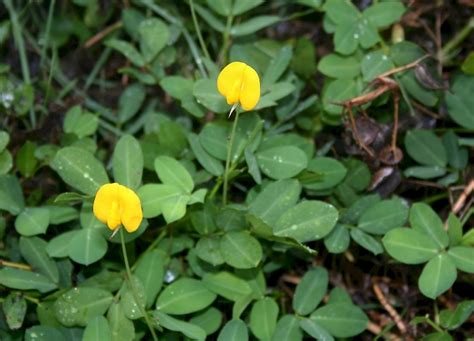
229,153
20,44
226,40
457,39
151,246
132,286
198,30
47,30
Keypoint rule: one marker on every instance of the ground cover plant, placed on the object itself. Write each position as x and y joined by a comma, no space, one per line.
236,170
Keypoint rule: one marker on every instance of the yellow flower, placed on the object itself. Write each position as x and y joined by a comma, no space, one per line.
239,83
115,204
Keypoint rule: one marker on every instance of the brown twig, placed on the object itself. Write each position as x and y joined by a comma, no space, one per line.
15,265
105,32
462,198
392,312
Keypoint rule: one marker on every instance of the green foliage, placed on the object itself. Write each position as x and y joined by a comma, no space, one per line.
325,177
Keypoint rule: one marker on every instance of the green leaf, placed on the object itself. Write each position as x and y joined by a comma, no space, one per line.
130,102
437,276
287,329
14,308
76,306
374,64
127,162
32,221
166,199
341,319
45,333
384,216
234,330
208,249
128,50
355,210
223,7
341,11
97,329
457,157
4,140
277,67
209,163
337,91
132,304
315,330
453,319
454,230
210,320
184,296
346,38
463,257
80,169
425,220
263,318
282,162
80,123
11,195
460,102
154,35
328,172
384,14
424,172
213,139
203,221
173,173
87,246
241,250
307,221
205,91
190,330
150,271
310,291
59,245
409,246
253,25
227,285
61,214
25,159
416,90
243,6
121,327
467,66
338,240
6,162
426,148
252,165
275,198
336,66
367,241
178,87
339,295
33,249
25,280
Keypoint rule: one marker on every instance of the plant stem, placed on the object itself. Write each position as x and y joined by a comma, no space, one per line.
47,30
457,39
132,286
229,153
225,42
198,30
20,44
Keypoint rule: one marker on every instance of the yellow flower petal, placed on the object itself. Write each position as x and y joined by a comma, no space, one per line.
239,83
115,204
250,91
131,214
104,199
